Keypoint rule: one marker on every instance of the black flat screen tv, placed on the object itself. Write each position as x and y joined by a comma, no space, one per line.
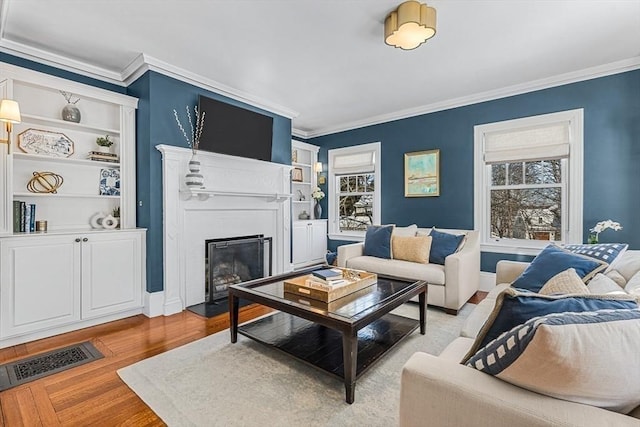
235,131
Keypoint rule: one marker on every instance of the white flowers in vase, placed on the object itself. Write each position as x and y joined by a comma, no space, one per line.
317,194
600,227
196,132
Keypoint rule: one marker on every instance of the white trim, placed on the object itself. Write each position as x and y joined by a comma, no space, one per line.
574,189
149,63
487,281
153,304
376,147
535,85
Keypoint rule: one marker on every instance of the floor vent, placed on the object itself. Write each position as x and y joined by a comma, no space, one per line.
45,364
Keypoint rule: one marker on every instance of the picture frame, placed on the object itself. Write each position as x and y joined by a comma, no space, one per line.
422,173
45,143
110,182
296,175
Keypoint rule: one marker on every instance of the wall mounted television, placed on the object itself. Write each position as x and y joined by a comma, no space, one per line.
235,131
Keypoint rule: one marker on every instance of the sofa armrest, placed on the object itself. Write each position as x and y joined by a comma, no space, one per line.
508,271
445,393
462,272
349,251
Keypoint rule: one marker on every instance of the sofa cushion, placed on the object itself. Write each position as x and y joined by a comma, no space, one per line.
633,285
443,245
377,241
565,282
515,307
432,273
408,231
607,252
551,261
456,350
415,249
601,285
628,264
569,356
616,277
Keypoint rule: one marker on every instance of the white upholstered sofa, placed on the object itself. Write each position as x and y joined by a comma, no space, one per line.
450,285
439,391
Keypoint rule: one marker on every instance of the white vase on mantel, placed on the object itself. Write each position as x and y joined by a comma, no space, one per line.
194,180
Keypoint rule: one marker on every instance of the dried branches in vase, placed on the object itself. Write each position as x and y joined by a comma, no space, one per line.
196,132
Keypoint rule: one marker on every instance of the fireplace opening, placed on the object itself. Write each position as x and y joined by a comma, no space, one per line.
235,260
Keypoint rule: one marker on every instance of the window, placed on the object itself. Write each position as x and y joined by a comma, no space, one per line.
354,195
528,182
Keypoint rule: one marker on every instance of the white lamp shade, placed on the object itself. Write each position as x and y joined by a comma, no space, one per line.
318,167
10,111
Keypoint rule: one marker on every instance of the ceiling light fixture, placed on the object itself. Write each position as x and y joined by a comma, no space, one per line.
410,25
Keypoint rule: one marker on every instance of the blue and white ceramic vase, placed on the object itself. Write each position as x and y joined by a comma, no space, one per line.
194,179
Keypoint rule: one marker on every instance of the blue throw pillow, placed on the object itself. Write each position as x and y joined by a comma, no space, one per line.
515,307
377,241
553,260
443,245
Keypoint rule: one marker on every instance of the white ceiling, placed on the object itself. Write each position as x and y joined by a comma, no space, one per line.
324,61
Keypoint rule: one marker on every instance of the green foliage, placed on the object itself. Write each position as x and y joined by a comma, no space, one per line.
104,142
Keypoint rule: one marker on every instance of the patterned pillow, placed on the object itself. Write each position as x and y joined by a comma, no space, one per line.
514,307
607,252
414,249
551,261
565,282
569,356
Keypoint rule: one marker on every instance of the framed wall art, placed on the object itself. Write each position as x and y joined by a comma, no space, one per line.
296,174
422,173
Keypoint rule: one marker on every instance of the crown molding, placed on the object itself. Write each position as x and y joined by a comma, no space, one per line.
299,133
549,82
148,63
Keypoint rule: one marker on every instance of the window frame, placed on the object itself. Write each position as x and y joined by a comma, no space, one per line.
334,191
572,177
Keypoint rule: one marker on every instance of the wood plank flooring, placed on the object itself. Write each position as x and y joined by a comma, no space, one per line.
93,394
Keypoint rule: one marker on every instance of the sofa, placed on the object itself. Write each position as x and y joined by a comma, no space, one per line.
449,286
440,391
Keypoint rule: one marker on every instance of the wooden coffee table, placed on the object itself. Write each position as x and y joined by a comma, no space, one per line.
344,338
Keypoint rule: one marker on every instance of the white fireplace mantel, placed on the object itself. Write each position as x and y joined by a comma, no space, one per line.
241,197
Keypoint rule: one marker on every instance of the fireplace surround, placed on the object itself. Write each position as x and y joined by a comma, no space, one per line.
242,197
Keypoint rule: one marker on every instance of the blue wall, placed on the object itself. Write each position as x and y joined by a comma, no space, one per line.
611,155
159,95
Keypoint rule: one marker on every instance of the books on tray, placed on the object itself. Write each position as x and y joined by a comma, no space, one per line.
328,274
315,288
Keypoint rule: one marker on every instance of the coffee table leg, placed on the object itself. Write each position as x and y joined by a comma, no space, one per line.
233,316
422,298
350,360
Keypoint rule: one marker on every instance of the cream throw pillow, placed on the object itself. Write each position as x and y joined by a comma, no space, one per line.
565,282
602,284
414,249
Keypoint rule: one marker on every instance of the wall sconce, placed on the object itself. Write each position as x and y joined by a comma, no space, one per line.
318,170
10,115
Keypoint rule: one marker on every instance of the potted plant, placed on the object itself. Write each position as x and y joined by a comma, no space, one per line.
116,214
104,144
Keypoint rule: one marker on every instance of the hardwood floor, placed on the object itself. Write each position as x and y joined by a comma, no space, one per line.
94,394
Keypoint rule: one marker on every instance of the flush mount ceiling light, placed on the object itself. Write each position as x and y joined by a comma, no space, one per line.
410,25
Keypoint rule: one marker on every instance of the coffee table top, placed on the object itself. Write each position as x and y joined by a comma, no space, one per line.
347,309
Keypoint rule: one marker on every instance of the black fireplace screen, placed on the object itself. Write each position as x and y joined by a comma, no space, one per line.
235,260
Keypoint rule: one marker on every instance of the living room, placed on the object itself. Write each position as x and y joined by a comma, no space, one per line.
317,91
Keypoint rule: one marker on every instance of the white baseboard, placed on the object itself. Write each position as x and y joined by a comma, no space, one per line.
487,281
153,304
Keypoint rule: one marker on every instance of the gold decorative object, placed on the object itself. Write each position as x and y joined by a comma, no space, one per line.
45,182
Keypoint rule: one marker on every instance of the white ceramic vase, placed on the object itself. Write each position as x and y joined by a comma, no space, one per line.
194,179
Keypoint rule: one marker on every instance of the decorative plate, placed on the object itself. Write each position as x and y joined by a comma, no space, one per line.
46,143
110,182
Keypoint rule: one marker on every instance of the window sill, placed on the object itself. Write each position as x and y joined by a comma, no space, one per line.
512,249
347,237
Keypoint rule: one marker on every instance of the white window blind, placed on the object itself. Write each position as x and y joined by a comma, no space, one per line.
534,143
354,162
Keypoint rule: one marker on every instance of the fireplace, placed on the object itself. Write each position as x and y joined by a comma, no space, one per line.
235,260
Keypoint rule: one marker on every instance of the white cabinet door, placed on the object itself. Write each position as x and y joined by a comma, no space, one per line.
111,273
318,241
300,247
40,283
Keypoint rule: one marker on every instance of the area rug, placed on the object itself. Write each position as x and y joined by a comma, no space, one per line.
211,382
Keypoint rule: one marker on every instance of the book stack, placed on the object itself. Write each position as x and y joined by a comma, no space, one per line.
103,157
326,279
24,217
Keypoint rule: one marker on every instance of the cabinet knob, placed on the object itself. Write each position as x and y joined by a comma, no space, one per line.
85,239
77,240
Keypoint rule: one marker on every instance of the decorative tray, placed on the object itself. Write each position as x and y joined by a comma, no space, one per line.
310,287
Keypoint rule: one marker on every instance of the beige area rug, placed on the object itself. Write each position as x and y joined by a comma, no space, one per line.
211,382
